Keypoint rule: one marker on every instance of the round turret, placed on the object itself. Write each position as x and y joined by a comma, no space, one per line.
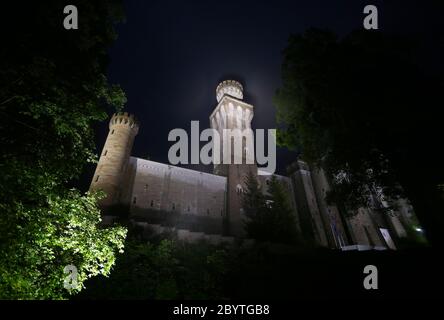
125,119
229,87
111,168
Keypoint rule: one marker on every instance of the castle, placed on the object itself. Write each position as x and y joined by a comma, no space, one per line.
199,204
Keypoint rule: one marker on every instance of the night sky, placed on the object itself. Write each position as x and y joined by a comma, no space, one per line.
170,56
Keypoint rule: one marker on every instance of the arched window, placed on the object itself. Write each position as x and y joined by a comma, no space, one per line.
239,189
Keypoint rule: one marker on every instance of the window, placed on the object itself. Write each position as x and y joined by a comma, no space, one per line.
208,211
152,203
134,200
267,182
174,206
146,188
239,189
106,151
112,132
188,208
97,178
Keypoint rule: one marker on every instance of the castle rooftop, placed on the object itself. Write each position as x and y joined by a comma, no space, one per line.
229,87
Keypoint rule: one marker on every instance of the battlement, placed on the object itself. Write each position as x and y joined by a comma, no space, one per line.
229,87
124,118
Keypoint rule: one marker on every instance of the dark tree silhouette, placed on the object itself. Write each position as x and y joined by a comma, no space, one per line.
362,106
270,217
254,206
52,89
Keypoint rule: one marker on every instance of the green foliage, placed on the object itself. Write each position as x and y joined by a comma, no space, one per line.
334,104
37,243
363,108
255,209
164,270
253,201
413,239
282,224
172,270
52,90
270,218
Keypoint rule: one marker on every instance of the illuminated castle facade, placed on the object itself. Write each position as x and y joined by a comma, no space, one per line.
198,204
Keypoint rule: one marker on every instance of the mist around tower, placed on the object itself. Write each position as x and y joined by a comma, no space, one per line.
231,139
235,138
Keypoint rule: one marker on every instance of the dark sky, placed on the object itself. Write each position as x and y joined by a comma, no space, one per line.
170,55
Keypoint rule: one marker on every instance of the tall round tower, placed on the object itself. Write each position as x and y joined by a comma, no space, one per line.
232,119
114,158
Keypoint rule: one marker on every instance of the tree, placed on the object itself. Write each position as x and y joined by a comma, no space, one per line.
165,269
254,206
270,218
52,90
282,217
41,241
364,108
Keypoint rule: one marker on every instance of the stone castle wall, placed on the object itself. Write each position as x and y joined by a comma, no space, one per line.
364,229
333,223
310,216
165,188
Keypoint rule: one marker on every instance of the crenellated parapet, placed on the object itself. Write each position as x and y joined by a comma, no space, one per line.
229,87
124,119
